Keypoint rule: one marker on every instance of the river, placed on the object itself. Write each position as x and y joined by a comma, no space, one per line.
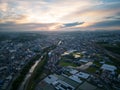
27,77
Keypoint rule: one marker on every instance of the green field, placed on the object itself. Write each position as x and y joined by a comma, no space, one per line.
63,63
91,70
70,57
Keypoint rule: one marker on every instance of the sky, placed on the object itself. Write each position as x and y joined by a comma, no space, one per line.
59,15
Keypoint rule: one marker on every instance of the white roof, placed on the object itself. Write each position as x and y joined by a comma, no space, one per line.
108,67
83,60
62,83
82,75
50,79
73,71
75,78
68,52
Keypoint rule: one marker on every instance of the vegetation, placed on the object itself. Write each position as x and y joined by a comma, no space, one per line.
91,69
97,63
64,63
68,60
115,61
115,48
17,82
109,62
118,71
23,73
37,73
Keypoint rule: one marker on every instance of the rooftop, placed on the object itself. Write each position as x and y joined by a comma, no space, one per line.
73,71
108,67
50,79
82,75
75,78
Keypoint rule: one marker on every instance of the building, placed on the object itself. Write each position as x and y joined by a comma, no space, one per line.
61,85
108,67
75,78
82,75
50,79
73,71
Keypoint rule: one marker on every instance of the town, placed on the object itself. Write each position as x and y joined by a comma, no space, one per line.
79,61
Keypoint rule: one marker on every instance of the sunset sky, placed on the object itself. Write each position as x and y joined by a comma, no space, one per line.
59,15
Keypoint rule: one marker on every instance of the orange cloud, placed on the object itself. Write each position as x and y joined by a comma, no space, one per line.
52,15
90,15
21,19
49,26
3,7
16,19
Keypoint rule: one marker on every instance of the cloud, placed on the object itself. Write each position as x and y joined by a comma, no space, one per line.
94,13
114,17
10,26
72,24
58,14
3,7
15,19
109,23
45,11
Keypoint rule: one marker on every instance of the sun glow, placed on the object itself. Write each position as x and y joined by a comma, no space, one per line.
58,14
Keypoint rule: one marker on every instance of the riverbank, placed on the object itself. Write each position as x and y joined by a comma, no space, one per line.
38,71
16,83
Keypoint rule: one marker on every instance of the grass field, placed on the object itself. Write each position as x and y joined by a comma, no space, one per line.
91,70
63,63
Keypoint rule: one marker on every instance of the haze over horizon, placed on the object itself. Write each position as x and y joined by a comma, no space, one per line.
59,15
